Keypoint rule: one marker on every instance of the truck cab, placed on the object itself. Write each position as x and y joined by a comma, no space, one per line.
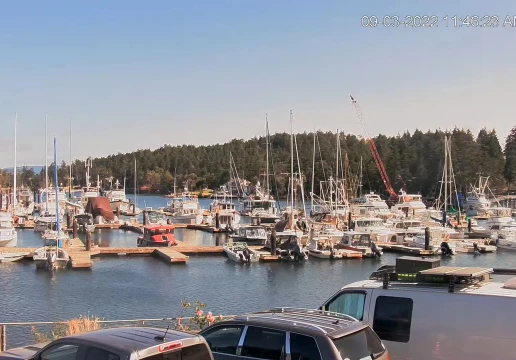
438,313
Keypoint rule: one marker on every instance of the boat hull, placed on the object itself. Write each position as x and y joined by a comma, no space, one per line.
12,242
325,254
43,260
250,242
238,256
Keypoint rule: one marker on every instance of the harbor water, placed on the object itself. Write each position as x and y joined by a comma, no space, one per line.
143,287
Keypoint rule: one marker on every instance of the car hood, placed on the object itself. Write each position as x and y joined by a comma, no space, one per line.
21,353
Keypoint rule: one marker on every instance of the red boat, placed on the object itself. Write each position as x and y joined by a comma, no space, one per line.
157,235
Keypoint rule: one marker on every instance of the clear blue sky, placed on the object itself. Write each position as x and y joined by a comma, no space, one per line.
138,74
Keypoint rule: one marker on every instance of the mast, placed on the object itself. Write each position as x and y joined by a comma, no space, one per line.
15,168
267,156
360,178
337,172
58,225
313,178
70,174
445,174
46,163
291,168
135,182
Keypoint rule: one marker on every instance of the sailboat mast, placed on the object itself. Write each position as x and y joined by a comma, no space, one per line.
134,181
337,172
15,168
446,174
360,177
291,167
58,225
313,177
46,162
267,155
70,174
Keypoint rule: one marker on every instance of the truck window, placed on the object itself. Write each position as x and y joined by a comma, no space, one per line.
363,344
194,352
348,303
62,351
262,343
392,318
303,348
224,339
94,353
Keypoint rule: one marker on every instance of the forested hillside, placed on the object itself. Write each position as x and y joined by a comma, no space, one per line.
415,160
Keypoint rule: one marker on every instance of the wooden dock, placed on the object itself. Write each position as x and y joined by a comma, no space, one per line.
206,228
29,224
405,249
265,256
169,255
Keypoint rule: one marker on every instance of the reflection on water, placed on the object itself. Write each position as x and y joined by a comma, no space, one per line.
143,287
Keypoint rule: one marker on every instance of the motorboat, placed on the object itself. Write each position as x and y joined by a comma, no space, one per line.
224,214
157,235
85,222
409,204
250,234
361,242
240,252
376,227
185,208
52,256
322,247
8,235
11,257
289,248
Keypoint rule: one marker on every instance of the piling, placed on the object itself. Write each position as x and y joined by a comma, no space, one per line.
169,222
68,220
273,242
217,220
1,199
145,218
3,338
444,218
118,210
349,220
427,238
88,241
75,227
469,225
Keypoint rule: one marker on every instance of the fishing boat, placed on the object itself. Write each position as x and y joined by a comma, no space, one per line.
250,234
52,256
322,247
185,208
240,252
8,235
157,235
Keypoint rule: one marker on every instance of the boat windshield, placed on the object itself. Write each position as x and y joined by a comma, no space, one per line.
361,240
370,223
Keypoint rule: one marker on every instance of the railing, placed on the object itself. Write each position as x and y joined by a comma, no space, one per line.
164,322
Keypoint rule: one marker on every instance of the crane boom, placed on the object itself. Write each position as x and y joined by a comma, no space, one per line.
374,152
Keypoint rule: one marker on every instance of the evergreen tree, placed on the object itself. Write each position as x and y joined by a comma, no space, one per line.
510,157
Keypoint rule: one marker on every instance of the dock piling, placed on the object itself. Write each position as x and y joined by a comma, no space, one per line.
88,240
68,220
427,238
75,227
469,225
145,218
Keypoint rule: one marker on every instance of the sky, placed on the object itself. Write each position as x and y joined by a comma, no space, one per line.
129,75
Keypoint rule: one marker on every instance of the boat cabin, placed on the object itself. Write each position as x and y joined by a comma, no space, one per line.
353,239
157,235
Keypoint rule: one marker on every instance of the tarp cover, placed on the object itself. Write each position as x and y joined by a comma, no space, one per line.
100,206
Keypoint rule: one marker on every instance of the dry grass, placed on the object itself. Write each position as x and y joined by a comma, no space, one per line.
82,324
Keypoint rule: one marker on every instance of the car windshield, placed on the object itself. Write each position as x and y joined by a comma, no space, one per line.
360,345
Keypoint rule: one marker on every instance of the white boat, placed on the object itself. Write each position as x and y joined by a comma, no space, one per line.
322,247
52,256
11,257
250,234
506,238
185,208
240,252
476,199
369,204
361,242
289,247
46,221
410,204
226,213
376,227
8,235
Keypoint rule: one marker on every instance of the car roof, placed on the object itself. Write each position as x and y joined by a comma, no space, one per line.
129,339
304,321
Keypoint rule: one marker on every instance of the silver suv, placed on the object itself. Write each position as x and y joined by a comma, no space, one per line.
119,344
294,334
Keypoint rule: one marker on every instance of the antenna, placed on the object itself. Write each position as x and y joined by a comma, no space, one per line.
162,338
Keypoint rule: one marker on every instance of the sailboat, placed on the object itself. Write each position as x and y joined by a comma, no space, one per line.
52,256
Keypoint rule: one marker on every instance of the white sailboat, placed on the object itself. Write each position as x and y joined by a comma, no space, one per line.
52,256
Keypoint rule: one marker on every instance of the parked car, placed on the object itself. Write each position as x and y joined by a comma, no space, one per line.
294,334
127,343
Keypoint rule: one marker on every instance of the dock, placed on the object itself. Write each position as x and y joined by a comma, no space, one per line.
169,255
405,249
265,256
206,228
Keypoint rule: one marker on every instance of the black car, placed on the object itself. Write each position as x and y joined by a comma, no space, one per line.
294,334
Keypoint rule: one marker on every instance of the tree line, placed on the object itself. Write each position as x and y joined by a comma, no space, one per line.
414,161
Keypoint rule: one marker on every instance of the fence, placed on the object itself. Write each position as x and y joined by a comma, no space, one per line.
174,323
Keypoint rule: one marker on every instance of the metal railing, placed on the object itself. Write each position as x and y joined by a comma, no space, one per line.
173,321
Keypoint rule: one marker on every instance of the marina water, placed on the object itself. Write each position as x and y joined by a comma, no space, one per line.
143,287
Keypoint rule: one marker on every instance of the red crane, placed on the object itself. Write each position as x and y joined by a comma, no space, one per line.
374,152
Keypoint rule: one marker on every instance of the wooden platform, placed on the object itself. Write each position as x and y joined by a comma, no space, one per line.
169,255
29,224
108,226
405,249
207,228
265,256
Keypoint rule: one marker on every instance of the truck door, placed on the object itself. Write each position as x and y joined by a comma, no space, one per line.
352,302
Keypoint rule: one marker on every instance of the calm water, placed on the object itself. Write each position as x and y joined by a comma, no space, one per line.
144,287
